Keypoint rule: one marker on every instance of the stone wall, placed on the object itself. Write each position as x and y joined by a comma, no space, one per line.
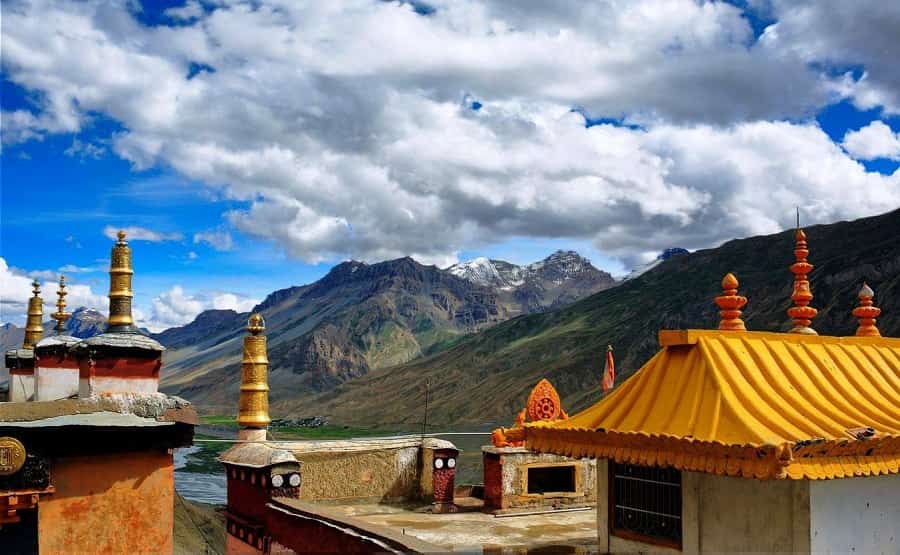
389,469
512,468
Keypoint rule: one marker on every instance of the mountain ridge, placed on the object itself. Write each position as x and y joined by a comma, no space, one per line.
360,317
485,378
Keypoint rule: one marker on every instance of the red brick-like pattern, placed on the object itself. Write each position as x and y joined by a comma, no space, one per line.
493,481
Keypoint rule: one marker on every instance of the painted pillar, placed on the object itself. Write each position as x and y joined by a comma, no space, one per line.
444,478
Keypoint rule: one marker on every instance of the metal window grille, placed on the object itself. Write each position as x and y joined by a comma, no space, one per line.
645,503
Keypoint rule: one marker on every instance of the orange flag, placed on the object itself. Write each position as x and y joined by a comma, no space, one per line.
609,372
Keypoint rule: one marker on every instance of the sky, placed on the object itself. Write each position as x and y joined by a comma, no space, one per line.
250,146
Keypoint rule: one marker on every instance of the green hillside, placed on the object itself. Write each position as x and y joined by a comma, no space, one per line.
486,377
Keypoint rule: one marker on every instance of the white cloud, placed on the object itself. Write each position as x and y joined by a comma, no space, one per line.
135,233
85,150
875,140
230,301
349,129
862,33
15,290
176,307
219,240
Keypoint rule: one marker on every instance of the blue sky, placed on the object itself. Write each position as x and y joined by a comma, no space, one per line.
255,145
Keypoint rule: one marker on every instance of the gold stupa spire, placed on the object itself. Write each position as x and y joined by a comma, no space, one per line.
34,328
254,403
866,313
61,315
120,293
730,304
801,312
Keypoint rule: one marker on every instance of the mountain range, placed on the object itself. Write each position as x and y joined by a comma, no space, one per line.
484,379
363,317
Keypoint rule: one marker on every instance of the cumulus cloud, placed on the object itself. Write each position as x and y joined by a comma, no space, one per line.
15,290
219,240
342,140
860,33
176,307
135,233
875,140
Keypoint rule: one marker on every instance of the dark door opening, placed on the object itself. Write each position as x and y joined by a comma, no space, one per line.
551,479
20,538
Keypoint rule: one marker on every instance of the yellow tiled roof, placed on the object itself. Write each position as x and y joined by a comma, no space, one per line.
753,404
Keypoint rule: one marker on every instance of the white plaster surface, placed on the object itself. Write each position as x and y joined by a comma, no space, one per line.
856,515
723,515
55,383
103,384
21,388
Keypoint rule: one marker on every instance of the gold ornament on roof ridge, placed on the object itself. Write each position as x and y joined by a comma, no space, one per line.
34,327
866,312
253,408
120,291
61,315
801,312
730,304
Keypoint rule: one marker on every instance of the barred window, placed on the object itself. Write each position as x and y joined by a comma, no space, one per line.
645,504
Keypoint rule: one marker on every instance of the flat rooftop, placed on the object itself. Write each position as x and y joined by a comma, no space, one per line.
471,530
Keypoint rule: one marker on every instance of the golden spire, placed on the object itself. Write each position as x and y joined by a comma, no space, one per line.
120,293
867,313
801,312
34,328
61,315
254,403
730,304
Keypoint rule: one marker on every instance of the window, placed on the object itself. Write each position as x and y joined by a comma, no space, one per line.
645,504
551,479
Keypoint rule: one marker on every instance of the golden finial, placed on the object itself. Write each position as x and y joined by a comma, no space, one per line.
34,328
61,315
730,304
253,410
867,313
120,293
801,312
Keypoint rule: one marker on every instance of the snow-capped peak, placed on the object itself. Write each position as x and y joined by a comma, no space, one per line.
559,267
481,271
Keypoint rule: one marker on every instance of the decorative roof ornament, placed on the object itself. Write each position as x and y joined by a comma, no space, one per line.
730,304
34,328
801,312
120,292
543,404
253,410
61,315
866,313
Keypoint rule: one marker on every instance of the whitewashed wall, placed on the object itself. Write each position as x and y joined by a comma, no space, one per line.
855,515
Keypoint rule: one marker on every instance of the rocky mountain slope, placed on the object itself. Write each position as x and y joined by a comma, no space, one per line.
84,322
485,378
559,279
361,317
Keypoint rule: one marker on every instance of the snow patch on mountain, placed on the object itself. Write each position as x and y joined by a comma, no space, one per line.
558,268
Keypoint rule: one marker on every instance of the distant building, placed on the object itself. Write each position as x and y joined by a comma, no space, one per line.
86,445
740,441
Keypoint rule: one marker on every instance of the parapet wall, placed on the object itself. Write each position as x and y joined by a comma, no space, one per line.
383,469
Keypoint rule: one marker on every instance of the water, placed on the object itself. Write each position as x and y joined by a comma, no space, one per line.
203,487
